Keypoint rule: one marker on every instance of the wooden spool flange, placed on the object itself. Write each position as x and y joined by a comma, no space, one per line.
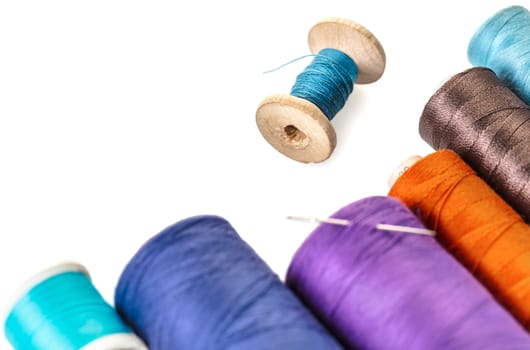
296,127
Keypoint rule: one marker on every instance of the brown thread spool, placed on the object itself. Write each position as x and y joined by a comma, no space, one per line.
488,125
296,127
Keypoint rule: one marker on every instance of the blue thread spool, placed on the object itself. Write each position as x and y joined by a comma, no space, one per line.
198,285
298,125
502,43
60,309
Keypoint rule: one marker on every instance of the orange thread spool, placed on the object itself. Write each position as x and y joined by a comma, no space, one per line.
474,223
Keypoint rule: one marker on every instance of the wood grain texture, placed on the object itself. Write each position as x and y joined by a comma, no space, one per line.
296,128
355,41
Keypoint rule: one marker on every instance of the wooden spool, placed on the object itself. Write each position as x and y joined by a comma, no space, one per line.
296,127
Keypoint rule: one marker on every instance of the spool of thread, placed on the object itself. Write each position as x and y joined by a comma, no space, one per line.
379,289
473,223
298,125
198,285
478,117
502,43
60,309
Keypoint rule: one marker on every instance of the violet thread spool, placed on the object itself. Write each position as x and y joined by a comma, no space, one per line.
298,128
377,289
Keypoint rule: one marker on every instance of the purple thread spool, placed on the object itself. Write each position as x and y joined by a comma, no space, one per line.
378,289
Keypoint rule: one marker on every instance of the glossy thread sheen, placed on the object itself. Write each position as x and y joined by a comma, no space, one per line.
502,43
198,285
383,290
327,82
478,117
64,312
474,224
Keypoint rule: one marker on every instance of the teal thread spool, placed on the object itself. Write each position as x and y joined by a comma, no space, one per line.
502,43
299,125
60,309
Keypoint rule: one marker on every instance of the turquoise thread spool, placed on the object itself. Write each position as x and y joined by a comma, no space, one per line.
297,127
60,309
502,43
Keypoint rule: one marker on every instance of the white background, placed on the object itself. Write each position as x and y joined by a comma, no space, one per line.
119,118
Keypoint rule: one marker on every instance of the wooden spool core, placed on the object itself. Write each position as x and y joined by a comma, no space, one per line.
296,127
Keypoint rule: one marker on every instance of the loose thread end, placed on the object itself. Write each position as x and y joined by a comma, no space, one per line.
288,63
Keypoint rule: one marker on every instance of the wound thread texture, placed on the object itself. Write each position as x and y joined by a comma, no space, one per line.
198,285
327,82
65,312
502,43
473,223
488,126
379,289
